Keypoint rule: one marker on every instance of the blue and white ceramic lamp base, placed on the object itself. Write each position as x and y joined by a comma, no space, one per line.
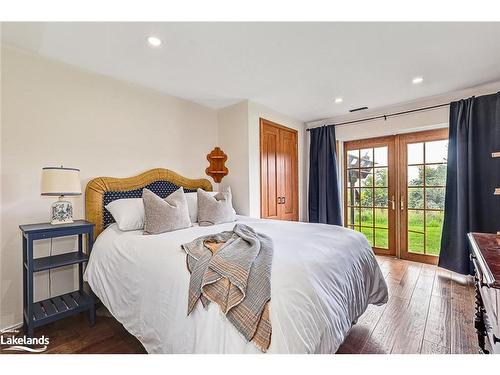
62,212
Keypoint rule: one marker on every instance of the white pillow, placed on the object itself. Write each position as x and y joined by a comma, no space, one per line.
192,200
128,213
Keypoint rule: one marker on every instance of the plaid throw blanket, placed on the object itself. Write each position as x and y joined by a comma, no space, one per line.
233,269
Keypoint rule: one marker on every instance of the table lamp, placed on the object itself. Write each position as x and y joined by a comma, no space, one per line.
61,182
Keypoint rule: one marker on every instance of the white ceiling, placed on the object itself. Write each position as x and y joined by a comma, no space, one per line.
294,68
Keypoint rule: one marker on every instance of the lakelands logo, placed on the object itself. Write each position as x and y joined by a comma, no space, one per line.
10,341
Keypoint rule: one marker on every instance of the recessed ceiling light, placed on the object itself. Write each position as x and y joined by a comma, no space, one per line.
338,100
154,41
417,80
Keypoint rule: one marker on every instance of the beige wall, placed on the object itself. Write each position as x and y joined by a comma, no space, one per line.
232,137
54,114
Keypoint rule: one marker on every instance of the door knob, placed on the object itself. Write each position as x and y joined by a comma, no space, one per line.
283,200
279,200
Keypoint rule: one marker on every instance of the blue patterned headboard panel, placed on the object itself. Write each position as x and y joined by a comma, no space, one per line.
160,188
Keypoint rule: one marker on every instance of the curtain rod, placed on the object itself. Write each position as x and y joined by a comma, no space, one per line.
385,117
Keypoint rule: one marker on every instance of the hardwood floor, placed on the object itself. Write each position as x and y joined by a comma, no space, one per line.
430,310
74,335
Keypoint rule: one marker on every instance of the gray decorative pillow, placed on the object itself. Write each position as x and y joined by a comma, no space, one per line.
215,209
165,215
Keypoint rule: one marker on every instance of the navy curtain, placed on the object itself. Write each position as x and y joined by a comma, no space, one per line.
324,201
472,176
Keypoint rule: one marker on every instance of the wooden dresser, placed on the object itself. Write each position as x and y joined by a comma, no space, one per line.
486,258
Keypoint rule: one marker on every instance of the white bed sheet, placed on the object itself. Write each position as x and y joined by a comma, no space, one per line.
323,278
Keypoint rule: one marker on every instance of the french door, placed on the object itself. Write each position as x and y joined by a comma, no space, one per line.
370,191
394,190
423,182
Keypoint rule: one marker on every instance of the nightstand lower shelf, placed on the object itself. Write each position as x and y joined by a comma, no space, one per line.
55,261
55,308
39,313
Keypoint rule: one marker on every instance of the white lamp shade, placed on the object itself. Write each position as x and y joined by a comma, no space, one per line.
60,181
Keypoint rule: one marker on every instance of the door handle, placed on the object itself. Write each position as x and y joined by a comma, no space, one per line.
393,203
279,200
402,204
283,200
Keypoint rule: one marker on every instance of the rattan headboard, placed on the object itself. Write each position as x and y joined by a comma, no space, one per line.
102,190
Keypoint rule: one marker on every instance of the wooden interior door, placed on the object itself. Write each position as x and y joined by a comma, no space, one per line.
287,177
279,171
370,188
269,166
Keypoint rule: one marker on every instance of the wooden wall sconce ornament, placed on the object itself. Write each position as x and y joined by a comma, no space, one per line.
217,170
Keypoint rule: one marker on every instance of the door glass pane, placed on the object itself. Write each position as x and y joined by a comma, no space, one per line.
367,177
415,153
435,175
416,221
382,217
382,238
352,159
367,217
416,242
433,229
367,197
381,177
353,176
353,197
381,197
415,197
353,215
434,198
436,151
416,175
368,232
366,157
380,156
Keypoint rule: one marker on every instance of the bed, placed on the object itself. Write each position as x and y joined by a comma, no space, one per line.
323,278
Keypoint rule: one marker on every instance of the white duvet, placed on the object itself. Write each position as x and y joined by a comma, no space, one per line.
323,277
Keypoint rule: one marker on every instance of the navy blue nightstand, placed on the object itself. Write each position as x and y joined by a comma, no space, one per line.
43,312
